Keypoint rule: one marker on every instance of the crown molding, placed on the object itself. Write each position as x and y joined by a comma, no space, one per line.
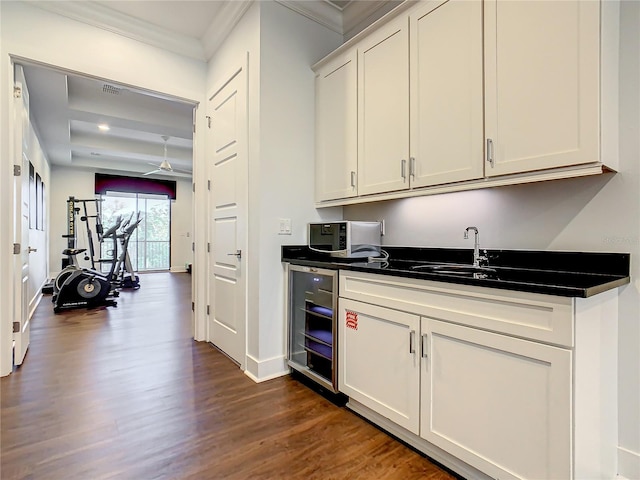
322,12
100,16
224,22
359,14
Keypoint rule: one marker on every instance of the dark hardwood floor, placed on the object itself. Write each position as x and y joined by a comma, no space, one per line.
125,393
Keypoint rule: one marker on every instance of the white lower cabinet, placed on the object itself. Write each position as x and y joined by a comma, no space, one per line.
379,364
499,403
492,383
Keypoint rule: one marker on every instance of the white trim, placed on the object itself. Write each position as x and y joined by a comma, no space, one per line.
357,16
223,24
430,450
506,180
267,369
628,463
100,16
6,217
324,13
178,270
35,301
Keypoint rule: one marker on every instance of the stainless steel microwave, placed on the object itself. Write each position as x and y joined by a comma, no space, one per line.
345,239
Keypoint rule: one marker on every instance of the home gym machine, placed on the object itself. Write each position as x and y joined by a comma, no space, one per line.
74,210
77,287
72,235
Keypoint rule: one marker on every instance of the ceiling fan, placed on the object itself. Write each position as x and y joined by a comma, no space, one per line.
165,166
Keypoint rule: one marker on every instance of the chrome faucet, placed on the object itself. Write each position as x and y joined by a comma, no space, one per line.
477,258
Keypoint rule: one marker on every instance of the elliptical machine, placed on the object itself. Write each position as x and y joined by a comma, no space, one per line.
124,275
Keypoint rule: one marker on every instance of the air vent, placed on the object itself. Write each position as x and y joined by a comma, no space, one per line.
106,88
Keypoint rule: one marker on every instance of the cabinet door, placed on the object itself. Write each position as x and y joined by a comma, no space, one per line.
446,92
377,363
336,129
383,109
498,403
541,84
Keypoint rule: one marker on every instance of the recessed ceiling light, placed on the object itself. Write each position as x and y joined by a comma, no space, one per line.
103,127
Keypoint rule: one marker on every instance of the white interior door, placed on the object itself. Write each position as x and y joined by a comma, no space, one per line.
21,325
228,169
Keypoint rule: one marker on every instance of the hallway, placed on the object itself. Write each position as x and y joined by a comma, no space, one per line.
125,393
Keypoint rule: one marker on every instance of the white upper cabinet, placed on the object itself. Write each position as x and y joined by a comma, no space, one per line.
455,95
336,128
541,84
446,92
383,109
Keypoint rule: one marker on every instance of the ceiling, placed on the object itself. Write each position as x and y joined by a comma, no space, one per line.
67,109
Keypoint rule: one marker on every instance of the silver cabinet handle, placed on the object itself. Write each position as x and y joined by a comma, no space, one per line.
412,341
490,152
423,354
403,169
353,179
29,249
238,254
412,167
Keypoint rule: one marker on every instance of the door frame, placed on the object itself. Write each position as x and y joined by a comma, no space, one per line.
199,279
7,207
21,219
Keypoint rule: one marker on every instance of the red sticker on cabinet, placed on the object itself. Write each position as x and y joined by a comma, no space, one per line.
352,320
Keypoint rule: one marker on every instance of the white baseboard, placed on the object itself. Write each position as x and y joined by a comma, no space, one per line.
35,301
628,464
267,369
178,270
430,450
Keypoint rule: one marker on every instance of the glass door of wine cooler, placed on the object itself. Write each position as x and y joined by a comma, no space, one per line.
312,307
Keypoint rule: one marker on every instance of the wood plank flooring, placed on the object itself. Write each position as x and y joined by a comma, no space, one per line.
125,393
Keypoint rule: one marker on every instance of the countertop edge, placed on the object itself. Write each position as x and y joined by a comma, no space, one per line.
554,290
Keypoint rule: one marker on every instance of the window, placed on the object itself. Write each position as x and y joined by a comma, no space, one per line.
150,243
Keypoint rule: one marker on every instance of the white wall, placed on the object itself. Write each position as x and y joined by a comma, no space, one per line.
38,239
243,43
87,50
80,183
600,214
281,45
66,182
181,226
290,44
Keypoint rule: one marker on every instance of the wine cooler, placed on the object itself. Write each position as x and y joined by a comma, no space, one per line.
313,297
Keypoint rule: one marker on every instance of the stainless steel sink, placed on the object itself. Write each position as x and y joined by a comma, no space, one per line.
455,269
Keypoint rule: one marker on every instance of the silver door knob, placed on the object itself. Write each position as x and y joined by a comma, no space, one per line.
238,254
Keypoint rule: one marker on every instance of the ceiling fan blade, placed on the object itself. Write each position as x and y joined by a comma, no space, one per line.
154,164
151,172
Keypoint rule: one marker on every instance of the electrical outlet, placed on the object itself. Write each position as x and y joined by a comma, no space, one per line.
285,226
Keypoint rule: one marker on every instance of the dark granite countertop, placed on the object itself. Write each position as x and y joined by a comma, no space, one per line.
565,274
